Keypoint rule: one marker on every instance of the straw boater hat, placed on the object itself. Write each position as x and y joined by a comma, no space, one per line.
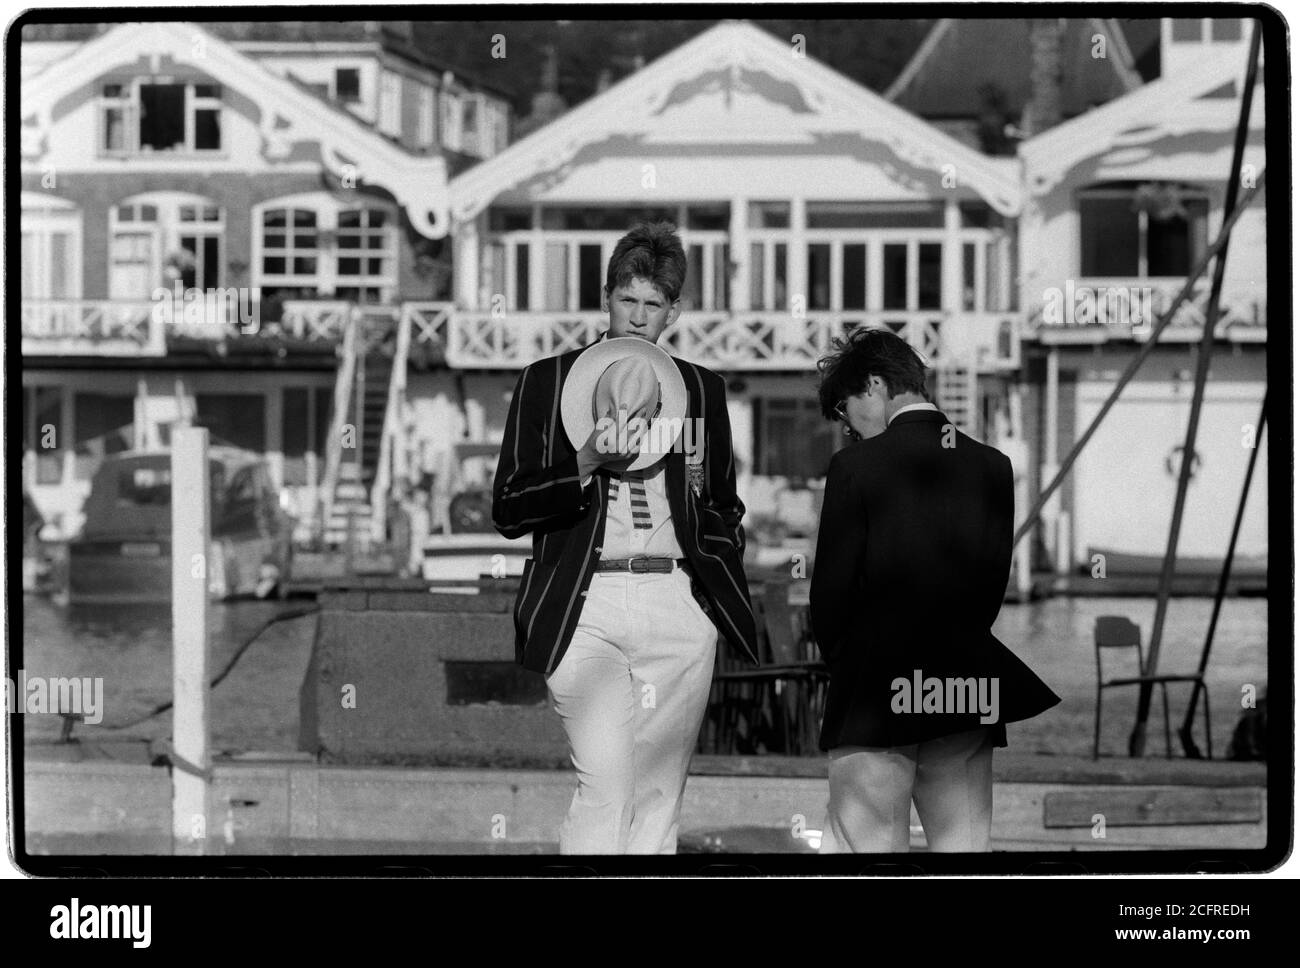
628,373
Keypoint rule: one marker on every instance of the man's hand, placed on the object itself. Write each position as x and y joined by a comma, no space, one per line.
591,455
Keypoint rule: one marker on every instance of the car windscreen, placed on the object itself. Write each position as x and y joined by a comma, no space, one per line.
151,486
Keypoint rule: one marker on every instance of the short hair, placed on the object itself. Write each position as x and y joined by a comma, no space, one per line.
651,251
864,353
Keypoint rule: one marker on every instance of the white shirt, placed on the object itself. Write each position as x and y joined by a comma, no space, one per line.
925,405
621,538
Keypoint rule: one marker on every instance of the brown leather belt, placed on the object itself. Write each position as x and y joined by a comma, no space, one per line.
640,565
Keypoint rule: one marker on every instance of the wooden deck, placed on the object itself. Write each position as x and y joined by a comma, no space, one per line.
112,801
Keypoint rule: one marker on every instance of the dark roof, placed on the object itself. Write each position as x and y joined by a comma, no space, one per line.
388,35
970,55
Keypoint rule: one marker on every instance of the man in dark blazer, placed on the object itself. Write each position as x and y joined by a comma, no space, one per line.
624,623
911,566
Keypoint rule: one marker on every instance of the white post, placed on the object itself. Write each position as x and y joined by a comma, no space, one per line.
465,263
1050,459
1064,544
191,537
184,412
536,263
951,282
140,436
1024,580
275,435
797,280
739,239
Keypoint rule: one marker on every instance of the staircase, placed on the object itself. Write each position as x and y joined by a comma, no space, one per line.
955,393
373,376
364,388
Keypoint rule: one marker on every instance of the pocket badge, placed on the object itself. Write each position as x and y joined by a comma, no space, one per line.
695,474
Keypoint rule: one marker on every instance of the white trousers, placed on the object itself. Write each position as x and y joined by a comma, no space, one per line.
872,789
631,691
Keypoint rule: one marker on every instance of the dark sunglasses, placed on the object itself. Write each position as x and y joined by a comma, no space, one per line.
840,412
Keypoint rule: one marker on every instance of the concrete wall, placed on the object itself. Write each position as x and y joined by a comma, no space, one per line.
390,651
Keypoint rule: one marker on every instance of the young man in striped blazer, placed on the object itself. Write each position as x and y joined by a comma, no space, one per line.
633,574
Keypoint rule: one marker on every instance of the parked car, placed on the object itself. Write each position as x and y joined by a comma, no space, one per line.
123,554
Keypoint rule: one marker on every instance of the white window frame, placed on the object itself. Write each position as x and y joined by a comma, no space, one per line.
875,240
130,104
326,279
44,216
168,228
1144,225
710,241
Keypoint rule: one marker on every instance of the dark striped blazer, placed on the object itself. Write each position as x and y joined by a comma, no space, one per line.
537,491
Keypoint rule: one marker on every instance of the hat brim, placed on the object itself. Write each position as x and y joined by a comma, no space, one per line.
580,386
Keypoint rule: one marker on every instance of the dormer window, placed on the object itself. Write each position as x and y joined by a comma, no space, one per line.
347,85
147,117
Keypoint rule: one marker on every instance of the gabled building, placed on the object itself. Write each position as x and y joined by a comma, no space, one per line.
407,271
293,179
1121,204
808,204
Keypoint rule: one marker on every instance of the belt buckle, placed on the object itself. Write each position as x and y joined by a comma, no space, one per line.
650,565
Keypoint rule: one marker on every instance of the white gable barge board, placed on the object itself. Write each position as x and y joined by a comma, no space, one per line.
1165,107
289,114
805,100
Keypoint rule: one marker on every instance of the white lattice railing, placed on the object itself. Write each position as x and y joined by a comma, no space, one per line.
111,327
749,341
426,322
311,319
91,327
757,340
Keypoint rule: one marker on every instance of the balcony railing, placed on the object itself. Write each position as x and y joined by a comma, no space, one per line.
749,340
91,327
1096,309
754,340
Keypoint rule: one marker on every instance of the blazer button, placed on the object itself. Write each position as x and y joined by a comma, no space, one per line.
599,550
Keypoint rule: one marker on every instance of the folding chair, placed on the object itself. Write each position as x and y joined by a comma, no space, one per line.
1118,632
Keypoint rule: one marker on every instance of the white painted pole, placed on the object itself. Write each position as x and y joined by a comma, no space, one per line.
1051,458
191,537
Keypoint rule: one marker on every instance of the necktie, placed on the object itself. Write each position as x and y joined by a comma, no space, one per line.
640,503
